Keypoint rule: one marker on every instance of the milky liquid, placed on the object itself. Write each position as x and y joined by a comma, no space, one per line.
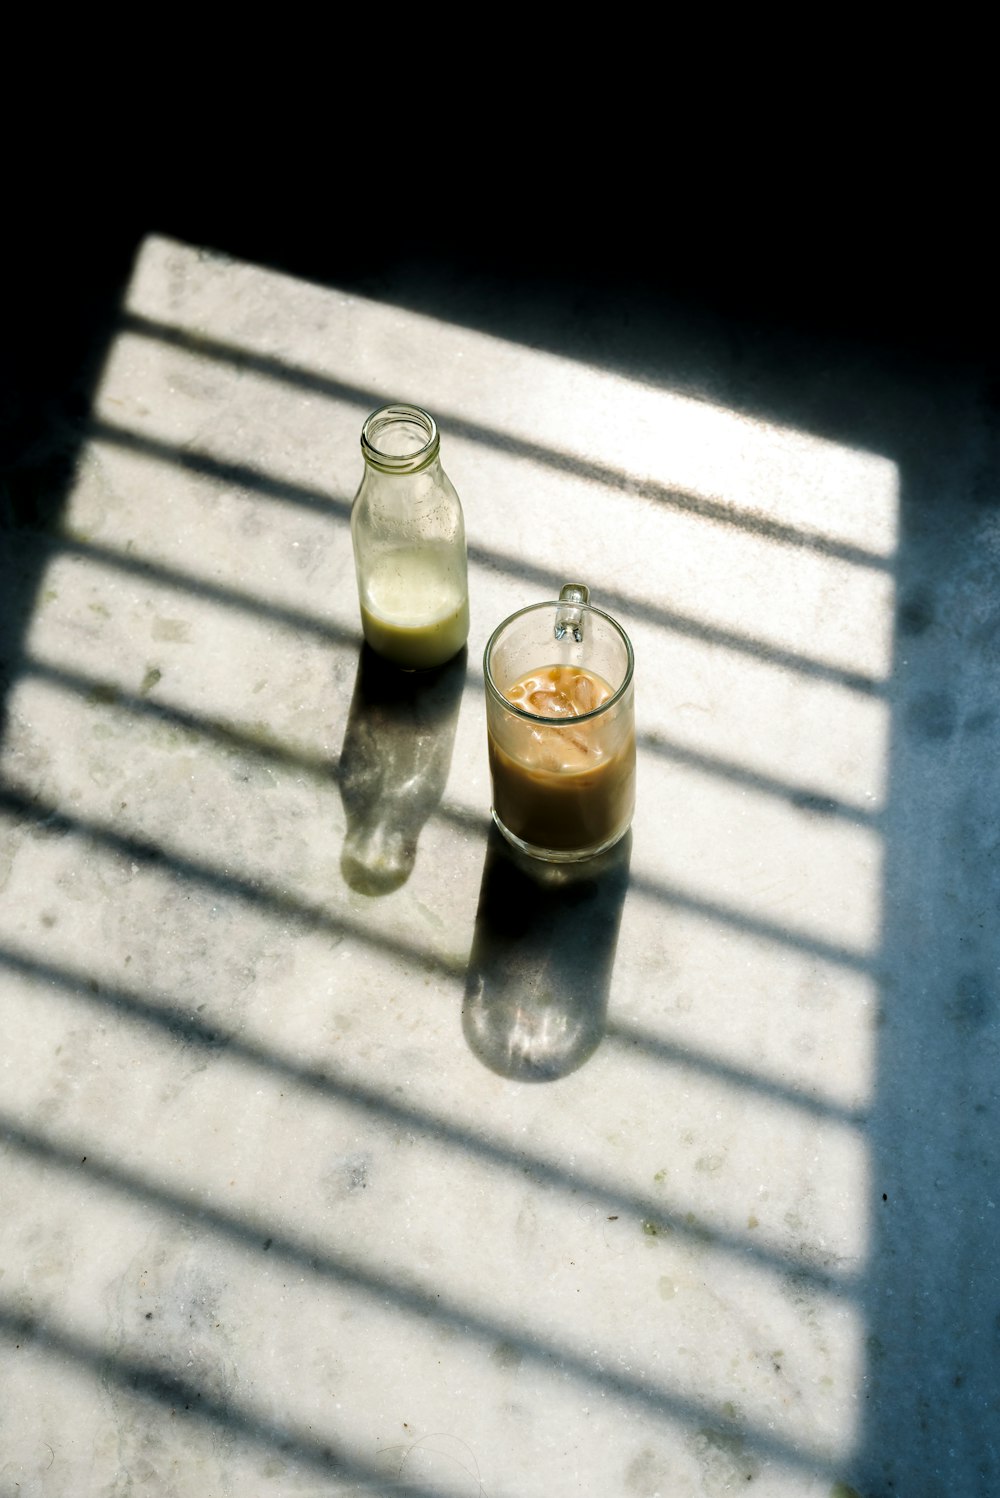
414,611
569,786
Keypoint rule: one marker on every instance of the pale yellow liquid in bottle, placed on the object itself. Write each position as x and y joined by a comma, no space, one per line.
414,612
568,786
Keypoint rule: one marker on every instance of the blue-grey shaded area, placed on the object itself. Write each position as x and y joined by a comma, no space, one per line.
932,1412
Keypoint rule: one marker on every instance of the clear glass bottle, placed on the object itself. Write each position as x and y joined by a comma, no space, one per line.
408,533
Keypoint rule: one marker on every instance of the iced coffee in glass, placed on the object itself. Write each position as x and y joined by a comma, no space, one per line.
561,728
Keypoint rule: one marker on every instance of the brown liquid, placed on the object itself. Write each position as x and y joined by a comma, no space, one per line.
570,786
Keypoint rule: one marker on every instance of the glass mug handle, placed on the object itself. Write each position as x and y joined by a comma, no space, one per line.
569,620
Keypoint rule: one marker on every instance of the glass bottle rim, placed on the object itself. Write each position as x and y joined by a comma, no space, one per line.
521,712
390,414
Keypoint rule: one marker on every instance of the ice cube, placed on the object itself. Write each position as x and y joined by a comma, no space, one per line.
582,690
551,704
581,742
548,754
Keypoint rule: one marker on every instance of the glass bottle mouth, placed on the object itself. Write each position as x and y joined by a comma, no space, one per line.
399,438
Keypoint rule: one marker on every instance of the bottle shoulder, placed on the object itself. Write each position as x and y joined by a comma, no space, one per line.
419,505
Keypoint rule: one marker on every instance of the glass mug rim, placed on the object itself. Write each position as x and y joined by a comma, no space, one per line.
511,707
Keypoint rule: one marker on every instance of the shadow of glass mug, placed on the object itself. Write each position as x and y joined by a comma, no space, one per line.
560,722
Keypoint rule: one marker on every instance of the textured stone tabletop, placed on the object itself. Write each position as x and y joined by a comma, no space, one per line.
672,1177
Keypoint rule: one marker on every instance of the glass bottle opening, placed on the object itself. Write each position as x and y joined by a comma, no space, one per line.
399,438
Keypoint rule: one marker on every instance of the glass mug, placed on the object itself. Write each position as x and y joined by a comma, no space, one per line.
560,723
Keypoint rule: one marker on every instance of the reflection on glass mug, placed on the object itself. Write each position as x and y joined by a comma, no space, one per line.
560,722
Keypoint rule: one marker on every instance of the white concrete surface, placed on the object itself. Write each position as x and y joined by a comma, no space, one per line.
276,1222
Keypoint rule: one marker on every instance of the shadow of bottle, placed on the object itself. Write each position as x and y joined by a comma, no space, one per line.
394,765
536,993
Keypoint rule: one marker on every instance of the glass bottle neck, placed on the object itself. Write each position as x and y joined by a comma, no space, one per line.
400,439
